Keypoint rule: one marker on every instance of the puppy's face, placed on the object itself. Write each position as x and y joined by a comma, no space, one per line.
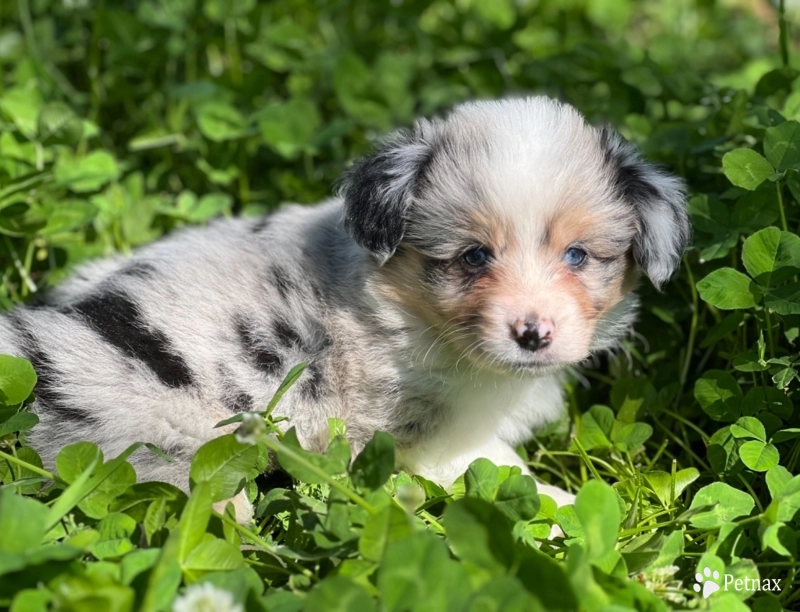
519,227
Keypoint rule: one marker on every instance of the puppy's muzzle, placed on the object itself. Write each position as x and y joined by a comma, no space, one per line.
533,334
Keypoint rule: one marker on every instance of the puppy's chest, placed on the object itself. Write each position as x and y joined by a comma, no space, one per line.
465,409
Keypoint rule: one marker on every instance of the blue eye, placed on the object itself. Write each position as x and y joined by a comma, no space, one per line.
575,256
476,257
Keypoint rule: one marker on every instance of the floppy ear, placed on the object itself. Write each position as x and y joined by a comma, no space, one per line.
378,189
659,200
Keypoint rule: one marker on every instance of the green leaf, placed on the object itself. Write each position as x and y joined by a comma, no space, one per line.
335,460
759,456
209,206
749,427
22,105
767,398
354,87
338,594
482,479
288,127
194,520
88,173
786,493
164,580
220,11
224,464
772,536
115,530
500,13
220,121
723,454
663,485
68,215
782,145
17,379
389,525
479,534
74,459
517,498
719,395
632,436
728,289
418,573
19,422
594,427
729,504
287,383
22,522
597,509
771,256
784,300
374,465
746,168
58,124
211,554
777,478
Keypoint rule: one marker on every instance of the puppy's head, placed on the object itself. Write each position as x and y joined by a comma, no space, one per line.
514,229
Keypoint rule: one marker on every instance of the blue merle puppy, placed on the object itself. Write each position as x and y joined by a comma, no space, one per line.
465,264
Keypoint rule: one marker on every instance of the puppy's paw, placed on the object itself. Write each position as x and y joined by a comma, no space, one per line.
242,507
560,496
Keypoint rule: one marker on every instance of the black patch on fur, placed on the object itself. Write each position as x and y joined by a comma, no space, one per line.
377,189
287,335
47,396
241,402
260,225
118,320
632,177
411,430
139,269
313,384
263,358
283,283
627,169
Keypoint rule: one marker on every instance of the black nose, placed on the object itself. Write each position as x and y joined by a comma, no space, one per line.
531,336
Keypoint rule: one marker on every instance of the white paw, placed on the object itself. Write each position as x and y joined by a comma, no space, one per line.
560,496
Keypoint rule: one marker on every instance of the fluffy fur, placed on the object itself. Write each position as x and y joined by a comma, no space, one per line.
373,290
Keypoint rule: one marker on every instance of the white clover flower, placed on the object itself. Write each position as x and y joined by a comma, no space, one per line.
205,597
662,581
251,429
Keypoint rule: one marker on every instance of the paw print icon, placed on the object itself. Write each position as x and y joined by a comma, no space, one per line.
706,582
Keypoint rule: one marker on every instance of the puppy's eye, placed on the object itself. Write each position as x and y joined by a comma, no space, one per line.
476,257
574,256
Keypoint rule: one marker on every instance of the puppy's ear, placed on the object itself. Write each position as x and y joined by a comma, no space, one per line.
659,200
378,189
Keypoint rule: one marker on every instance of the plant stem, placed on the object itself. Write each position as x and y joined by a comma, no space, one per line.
586,459
779,189
783,36
692,333
260,543
30,467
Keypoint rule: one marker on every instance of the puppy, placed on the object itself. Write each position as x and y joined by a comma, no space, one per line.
466,262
